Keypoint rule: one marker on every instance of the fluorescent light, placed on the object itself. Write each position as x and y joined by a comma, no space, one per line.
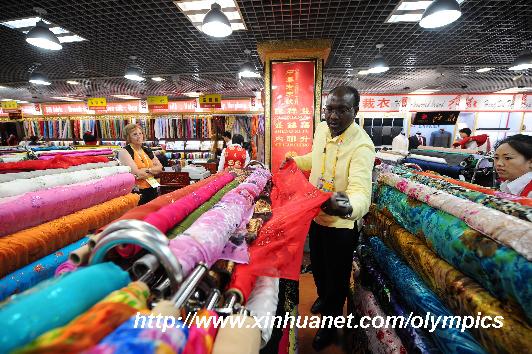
192,94
484,70
414,5
39,79
423,92
58,30
2,87
126,97
363,72
233,15
6,99
134,73
22,23
522,62
405,18
70,39
157,78
196,5
19,101
72,82
69,99
515,90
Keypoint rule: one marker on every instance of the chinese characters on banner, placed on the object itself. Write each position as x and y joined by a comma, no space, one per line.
383,103
292,111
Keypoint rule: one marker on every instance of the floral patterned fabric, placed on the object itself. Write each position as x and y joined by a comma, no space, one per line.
506,229
499,269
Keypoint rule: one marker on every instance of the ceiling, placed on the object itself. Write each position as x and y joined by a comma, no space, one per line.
167,44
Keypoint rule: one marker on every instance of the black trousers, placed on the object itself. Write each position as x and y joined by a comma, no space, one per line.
147,195
331,257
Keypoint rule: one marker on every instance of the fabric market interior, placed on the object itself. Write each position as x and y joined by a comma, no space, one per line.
273,177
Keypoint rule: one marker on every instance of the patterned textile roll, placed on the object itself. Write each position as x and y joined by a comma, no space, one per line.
499,269
444,169
421,300
89,328
33,273
460,293
6,177
76,154
56,302
24,247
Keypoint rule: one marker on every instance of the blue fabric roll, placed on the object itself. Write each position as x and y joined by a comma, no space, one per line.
422,300
48,148
441,168
56,302
33,273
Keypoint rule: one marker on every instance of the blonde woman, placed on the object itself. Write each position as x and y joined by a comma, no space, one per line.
144,165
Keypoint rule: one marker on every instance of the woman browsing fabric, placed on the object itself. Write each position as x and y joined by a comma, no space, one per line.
144,165
513,162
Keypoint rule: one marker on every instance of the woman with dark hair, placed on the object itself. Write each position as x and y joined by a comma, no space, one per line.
470,142
513,162
234,155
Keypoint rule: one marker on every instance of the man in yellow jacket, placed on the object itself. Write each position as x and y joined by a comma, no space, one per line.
341,162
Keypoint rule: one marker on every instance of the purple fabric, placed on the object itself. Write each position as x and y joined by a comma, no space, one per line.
35,208
76,153
65,267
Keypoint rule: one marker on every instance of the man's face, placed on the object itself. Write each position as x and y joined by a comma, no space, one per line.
339,112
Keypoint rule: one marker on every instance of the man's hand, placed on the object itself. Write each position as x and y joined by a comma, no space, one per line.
338,205
283,164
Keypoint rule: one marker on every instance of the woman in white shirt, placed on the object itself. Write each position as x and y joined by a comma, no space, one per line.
513,162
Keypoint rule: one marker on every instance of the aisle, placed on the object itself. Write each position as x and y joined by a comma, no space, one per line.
307,295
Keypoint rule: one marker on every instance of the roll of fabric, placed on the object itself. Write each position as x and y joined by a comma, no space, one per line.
129,338
428,158
243,340
202,333
76,154
503,205
56,302
86,330
24,247
505,229
49,148
56,162
451,158
380,340
499,269
444,169
66,267
13,158
263,301
232,212
389,157
35,208
18,187
7,177
460,293
421,300
42,269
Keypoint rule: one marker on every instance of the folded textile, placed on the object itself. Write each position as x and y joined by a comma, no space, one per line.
34,208
42,269
56,162
444,169
263,301
56,302
421,300
26,246
18,187
503,228
459,292
90,327
499,269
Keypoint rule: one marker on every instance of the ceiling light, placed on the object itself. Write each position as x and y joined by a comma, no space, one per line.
134,73
6,99
363,72
405,18
515,90
39,79
413,5
157,78
72,82
19,101
378,65
126,97
484,70
523,61
2,87
40,36
440,13
192,94
70,38
68,99
215,23
248,70
423,91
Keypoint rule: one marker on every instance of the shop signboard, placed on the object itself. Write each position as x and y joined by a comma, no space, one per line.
292,109
158,102
436,118
9,106
16,115
97,103
378,103
210,101
489,103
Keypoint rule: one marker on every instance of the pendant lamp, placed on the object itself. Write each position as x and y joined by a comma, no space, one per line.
215,23
440,13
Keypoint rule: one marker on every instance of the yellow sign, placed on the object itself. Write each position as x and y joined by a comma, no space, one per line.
160,102
210,101
9,105
97,103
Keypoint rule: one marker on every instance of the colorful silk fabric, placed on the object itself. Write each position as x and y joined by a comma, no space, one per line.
232,212
6,177
421,300
56,162
24,247
77,154
56,302
263,301
201,338
460,293
444,169
35,208
499,269
505,229
44,268
18,187
92,326
65,267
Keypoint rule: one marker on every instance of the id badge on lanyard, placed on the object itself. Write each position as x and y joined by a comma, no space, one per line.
326,185
152,182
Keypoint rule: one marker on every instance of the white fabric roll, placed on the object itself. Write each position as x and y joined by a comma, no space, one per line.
6,177
263,302
389,157
18,187
428,158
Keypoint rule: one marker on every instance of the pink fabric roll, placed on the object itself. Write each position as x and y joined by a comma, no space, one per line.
232,212
65,267
35,208
49,156
169,216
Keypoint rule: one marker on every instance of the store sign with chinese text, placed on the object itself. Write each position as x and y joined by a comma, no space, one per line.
158,102
436,118
292,109
383,103
210,101
97,103
9,106
489,102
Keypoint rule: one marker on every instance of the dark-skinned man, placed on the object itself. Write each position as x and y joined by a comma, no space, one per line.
341,162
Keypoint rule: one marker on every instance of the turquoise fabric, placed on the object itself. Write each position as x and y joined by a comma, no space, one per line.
56,302
422,300
499,269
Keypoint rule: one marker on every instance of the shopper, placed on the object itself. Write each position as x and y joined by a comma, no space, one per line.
234,155
89,138
227,138
341,162
12,140
470,142
144,165
513,162
34,140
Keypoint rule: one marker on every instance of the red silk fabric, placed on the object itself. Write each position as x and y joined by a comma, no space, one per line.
57,162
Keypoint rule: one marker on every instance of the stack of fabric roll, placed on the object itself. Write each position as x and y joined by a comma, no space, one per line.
47,207
440,246
12,154
50,154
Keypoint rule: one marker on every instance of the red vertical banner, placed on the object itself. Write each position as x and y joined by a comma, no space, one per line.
292,109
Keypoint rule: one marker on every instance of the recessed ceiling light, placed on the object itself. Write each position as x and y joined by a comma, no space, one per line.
19,101
414,5
157,78
192,94
72,82
126,97
6,99
363,72
25,25
484,70
423,92
68,99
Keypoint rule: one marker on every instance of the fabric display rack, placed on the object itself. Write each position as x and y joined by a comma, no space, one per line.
12,154
438,245
209,250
